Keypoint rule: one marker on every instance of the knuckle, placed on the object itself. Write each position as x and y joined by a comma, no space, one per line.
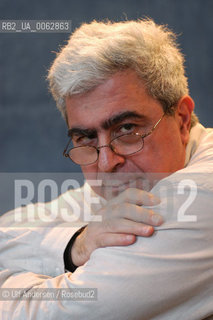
125,210
119,210
108,225
147,214
150,213
128,194
100,242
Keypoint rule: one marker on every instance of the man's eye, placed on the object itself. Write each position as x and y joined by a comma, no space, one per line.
84,140
127,128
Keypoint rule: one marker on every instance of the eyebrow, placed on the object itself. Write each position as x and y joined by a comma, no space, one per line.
77,131
121,117
107,124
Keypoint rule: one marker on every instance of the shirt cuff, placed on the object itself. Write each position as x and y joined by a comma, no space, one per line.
68,263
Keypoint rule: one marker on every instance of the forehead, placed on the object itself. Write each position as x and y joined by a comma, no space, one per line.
123,92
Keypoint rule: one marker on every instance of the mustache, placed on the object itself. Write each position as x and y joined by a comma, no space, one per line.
118,179
117,182
113,180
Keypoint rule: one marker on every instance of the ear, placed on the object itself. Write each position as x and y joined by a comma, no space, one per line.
183,115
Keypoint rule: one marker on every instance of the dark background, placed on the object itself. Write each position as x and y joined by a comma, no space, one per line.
32,132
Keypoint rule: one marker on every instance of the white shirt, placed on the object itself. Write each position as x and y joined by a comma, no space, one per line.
167,276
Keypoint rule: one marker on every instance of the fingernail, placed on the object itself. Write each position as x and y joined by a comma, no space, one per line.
147,229
129,237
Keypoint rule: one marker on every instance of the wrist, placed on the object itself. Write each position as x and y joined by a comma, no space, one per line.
69,264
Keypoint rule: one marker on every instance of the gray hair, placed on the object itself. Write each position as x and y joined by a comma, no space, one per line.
98,50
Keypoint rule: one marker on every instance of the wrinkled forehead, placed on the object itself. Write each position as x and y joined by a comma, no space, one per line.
123,92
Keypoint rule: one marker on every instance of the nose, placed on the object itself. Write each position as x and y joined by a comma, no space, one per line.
108,160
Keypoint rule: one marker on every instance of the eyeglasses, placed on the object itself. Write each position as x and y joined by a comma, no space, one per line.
123,145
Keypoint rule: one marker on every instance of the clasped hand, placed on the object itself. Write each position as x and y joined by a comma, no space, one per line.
123,219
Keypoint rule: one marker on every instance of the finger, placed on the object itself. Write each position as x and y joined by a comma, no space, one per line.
115,239
133,212
128,227
136,196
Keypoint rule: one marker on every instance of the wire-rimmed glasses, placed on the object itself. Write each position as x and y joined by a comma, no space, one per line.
123,145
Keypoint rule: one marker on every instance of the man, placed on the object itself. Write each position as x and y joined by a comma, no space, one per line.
122,90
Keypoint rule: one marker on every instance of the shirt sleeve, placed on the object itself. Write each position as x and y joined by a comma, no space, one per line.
166,276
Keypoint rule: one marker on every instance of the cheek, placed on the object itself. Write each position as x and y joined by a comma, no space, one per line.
159,157
144,162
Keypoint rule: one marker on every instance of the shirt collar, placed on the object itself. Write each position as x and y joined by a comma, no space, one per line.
194,141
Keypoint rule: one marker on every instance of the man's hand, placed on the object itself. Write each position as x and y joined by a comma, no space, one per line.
123,218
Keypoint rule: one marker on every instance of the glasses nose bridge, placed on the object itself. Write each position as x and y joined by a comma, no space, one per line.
104,146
